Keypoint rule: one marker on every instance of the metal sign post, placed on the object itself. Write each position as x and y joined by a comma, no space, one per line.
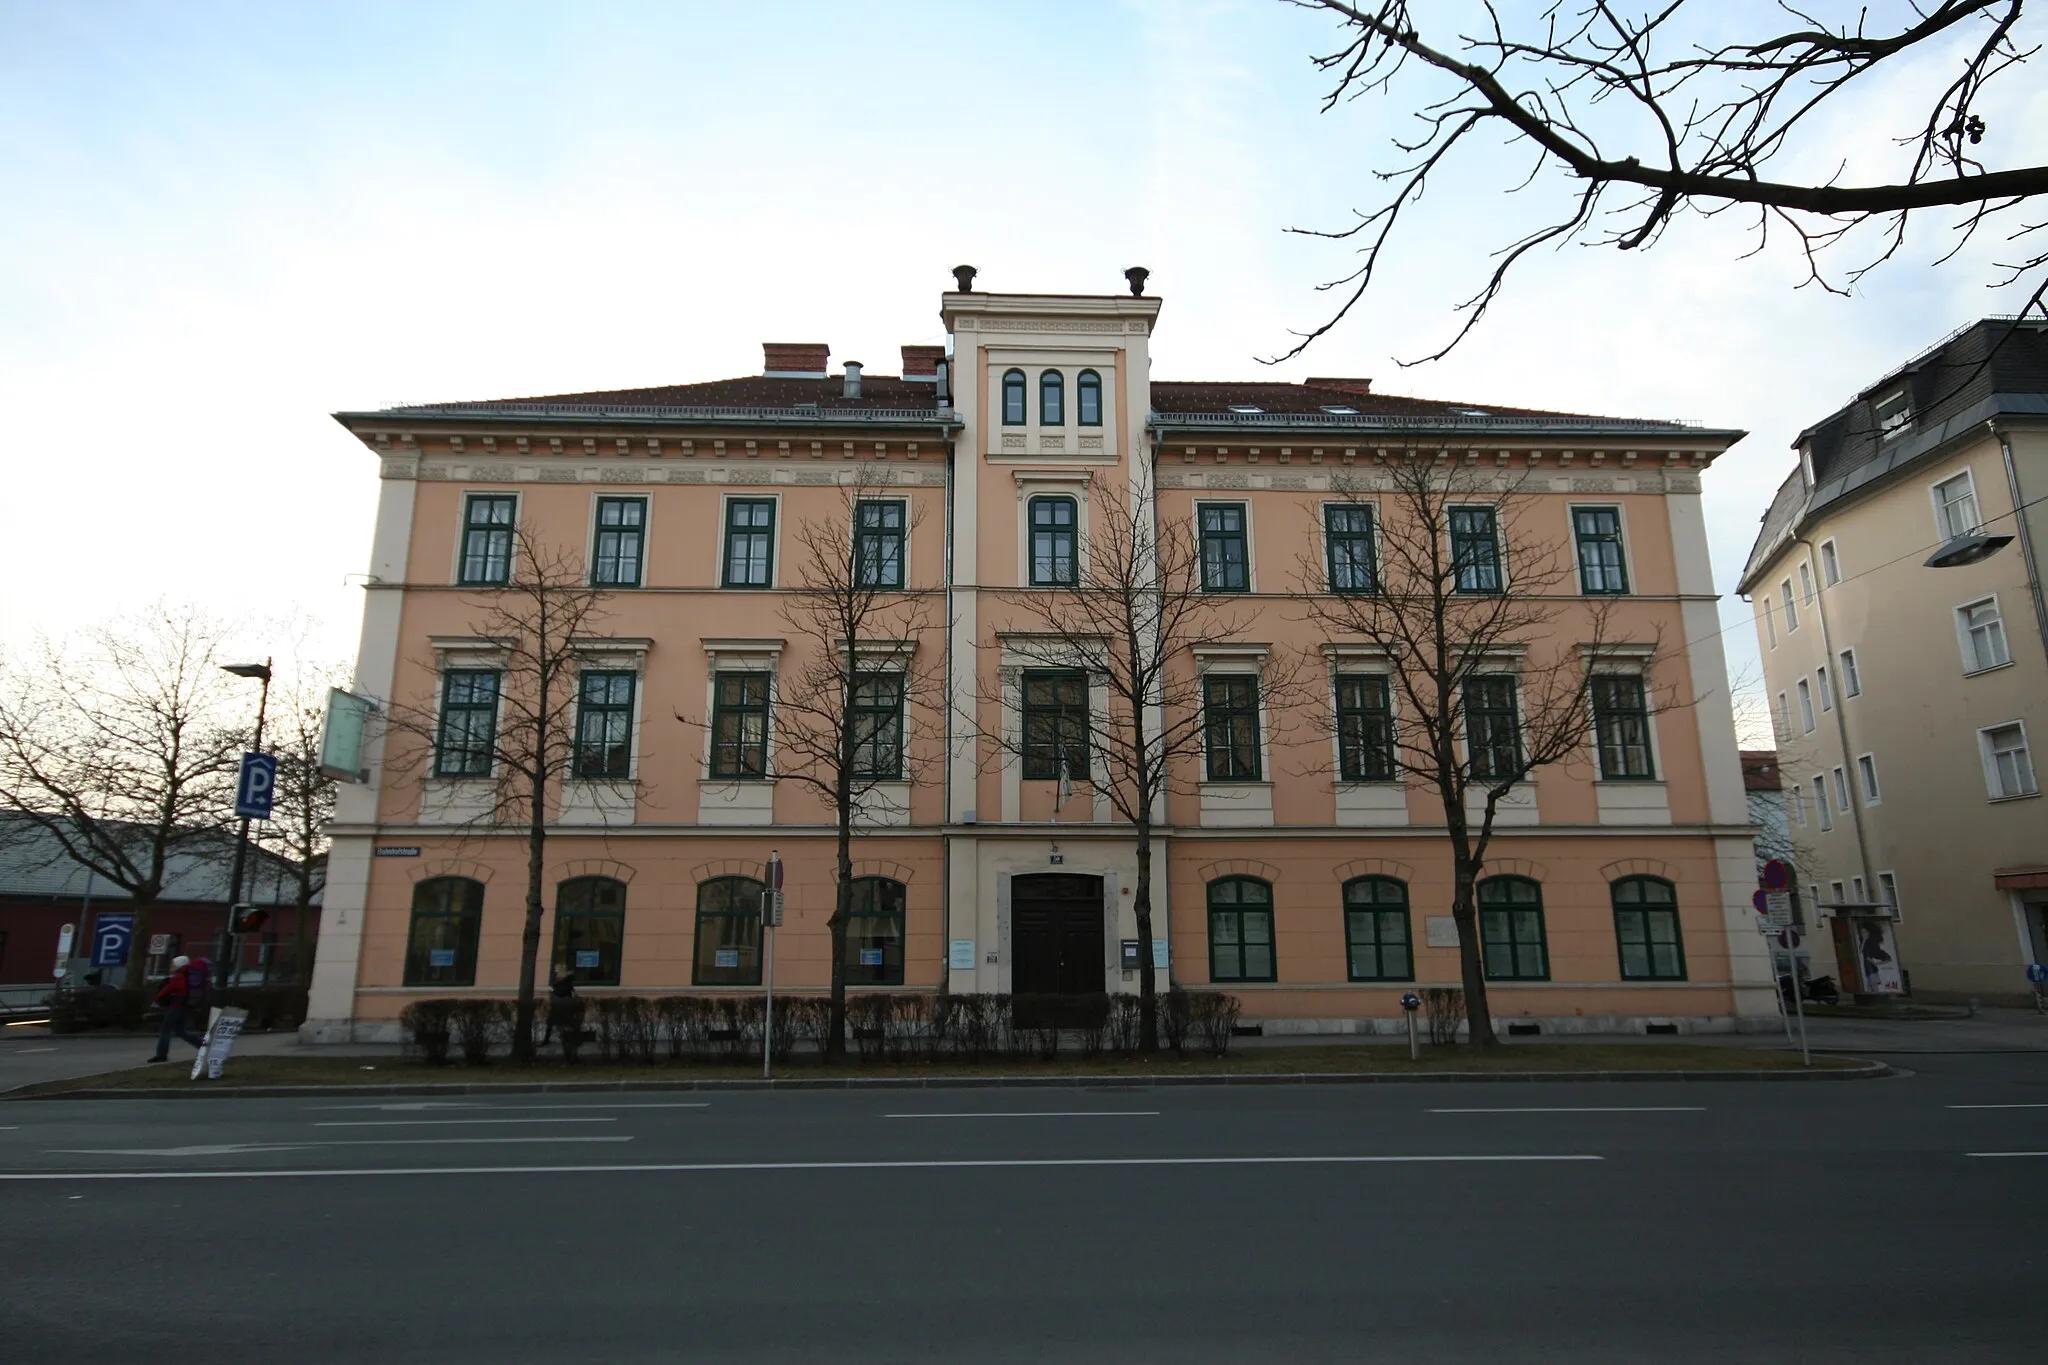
771,919
1411,1002
1767,927
1789,939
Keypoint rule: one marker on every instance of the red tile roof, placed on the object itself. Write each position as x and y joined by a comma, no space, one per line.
1306,399
1760,771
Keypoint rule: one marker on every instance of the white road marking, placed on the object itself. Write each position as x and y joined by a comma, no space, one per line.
1586,1109
440,1123
29,1051
486,1108
718,1166
1040,1114
231,1148
2005,1153
1998,1106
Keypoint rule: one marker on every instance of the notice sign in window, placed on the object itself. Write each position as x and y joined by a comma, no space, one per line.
586,957
726,957
871,957
440,957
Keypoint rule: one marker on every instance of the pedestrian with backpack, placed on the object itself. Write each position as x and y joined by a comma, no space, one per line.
183,991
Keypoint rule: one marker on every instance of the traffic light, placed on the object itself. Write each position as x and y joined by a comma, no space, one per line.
251,921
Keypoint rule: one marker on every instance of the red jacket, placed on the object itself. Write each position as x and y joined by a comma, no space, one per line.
182,985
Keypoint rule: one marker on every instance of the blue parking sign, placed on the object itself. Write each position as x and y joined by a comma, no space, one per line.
112,933
257,786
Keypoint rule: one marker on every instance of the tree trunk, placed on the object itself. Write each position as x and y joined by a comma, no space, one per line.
536,845
136,978
842,905
1478,1013
1148,987
302,959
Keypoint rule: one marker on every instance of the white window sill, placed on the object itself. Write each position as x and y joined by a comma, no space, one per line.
2016,796
1980,672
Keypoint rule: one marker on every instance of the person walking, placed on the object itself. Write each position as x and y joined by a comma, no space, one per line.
560,987
183,991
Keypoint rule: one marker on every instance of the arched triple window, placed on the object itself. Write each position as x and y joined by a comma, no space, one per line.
1013,398
1241,930
874,937
728,932
1052,399
440,947
1646,929
1088,399
590,929
1511,935
1376,930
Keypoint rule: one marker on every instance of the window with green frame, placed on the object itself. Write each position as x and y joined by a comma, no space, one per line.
604,727
1226,561
1377,947
749,543
487,520
440,945
1602,570
467,737
739,724
1230,720
878,543
590,929
1052,399
1511,935
621,541
1013,398
1055,558
878,726
1348,541
1241,930
1493,738
1475,549
1621,723
728,933
1088,399
1365,728
1054,713
874,934
1646,929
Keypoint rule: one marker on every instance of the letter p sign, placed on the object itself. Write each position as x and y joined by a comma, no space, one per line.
257,786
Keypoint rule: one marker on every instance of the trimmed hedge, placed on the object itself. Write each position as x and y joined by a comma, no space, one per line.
883,1027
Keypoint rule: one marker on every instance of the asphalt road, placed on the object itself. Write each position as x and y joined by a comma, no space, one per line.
1893,1219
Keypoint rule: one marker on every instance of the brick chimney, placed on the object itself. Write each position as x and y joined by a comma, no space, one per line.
1359,386
794,359
921,363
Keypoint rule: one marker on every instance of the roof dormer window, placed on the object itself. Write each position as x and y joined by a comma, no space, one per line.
1339,410
1246,407
1894,414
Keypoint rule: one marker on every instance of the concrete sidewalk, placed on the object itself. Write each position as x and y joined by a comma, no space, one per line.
31,1056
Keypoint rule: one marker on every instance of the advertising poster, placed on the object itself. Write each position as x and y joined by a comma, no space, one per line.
1877,952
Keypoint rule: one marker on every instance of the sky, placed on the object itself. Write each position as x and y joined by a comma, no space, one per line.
220,223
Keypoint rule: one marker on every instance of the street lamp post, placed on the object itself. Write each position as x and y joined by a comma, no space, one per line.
261,671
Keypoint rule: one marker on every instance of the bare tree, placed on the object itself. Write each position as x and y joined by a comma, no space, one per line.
303,801
1489,658
1130,624
119,752
1657,108
856,696
517,736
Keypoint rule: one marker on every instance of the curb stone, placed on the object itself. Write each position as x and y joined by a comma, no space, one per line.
1869,1071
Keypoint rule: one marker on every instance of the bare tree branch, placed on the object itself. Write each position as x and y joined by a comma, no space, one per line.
1704,126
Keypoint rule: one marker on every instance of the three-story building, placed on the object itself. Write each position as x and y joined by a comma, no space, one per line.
1612,898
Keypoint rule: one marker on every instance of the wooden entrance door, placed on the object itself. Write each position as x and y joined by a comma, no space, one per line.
1056,934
